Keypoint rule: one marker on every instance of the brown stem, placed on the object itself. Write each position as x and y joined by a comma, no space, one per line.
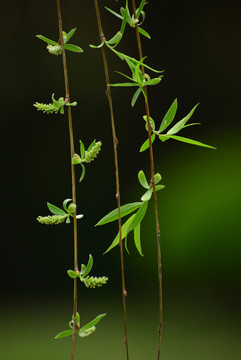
115,143
154,187
72,152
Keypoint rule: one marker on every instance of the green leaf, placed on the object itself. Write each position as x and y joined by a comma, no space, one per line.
71,209
138,217
135,97
123,84
125,210
137,238
73,48
91,146
89,266
77,318
154,81
98,46
145,145
140,8
157,178
64,334
142,179
159,187
65,204
114,13
126,247
181,124
82,149
115,39
83,172
55,210
152,123
147,195
72,274
48,41
68,36
144,32
188,141
124,233
92,323
168,118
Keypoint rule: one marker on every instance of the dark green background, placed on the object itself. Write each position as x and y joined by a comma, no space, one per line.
198,45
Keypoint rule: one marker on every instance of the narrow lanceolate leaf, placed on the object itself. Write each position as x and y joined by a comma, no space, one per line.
181,124
124,233
147,195
48,41
64,334
188,141
55,210
125,210
168,118
135,97
146,144
142,179
68,36
73,48
89,266
123,84
138,216
144,32
137,238
94,322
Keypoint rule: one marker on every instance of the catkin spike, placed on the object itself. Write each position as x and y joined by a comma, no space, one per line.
47,108
93,152
92,282
52,220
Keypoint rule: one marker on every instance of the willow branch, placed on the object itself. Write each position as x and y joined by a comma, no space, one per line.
72,152
154,186
115,143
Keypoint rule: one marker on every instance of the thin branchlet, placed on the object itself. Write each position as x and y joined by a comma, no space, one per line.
115,143
153,184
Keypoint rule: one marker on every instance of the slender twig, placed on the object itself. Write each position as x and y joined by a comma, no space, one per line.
154,186
115,143
72,152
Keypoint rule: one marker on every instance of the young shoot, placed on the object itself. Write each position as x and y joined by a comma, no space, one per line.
171,134
55,107
59,215
82,331
55,48
89,282
134,221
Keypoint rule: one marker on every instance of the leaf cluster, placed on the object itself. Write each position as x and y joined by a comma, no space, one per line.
55,107
171,134
134,221
55,47
86,155
59,215
90,282
82,331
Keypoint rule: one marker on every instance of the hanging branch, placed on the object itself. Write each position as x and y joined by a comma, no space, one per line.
72,152
152,182
115,143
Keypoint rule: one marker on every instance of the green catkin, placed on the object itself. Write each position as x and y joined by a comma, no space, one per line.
87,332
51,220
92,282
47,108
93,152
